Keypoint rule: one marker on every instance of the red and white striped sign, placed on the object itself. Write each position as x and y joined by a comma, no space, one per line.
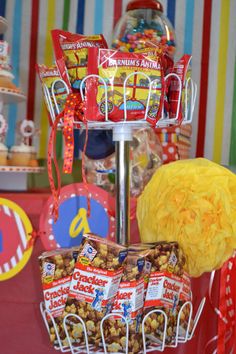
15,229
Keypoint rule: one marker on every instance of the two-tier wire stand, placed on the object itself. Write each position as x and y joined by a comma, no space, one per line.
122,136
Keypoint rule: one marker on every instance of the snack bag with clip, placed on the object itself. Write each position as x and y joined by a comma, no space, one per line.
56,272
128,303
71,52
164,288
51,81
115,67
182,69
95,283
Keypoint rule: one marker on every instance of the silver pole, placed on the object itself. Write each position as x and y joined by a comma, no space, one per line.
122,192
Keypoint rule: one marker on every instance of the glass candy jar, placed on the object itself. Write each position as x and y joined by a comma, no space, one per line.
144,25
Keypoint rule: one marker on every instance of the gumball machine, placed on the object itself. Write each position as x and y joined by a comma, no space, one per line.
144,25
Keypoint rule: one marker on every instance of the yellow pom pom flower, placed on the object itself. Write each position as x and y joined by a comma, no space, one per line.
192,202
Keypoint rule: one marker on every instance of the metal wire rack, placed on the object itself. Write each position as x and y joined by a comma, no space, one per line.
150,342
122,135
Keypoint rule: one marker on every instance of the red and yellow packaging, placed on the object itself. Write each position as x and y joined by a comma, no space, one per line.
182,69
115,67
47,76
71,52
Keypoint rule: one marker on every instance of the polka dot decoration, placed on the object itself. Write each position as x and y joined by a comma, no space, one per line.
69,114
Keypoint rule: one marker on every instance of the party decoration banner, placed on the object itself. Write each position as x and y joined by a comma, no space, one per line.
15,230
73,220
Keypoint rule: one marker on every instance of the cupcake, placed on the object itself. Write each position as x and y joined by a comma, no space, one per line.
20,155
3,154
33,153
6,75
33,159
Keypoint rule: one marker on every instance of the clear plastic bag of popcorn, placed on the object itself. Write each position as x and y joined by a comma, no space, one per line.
166,257
145,156
56,272
155,324
95,282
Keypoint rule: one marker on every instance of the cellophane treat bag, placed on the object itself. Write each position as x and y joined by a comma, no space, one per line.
145,158
128,303
71,53
48,76
56,273
94,285
164,288
114,67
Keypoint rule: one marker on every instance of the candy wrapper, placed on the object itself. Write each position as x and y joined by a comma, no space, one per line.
56,272
47,76
95,283
71,52
182,69
145,158
200,214
114,67
128,303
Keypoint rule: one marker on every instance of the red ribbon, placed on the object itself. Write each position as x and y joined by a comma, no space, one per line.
73,100
227,304
32,238
72,112
226,331
52,156
84,177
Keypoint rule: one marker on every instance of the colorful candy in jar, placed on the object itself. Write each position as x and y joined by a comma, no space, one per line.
144,25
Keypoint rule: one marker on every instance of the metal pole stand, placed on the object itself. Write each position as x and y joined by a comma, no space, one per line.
122,135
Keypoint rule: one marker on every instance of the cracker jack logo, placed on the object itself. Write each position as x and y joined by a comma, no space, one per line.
97,302
48,269
88,252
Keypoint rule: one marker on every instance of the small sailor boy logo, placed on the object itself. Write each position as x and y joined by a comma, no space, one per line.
127,310
97,302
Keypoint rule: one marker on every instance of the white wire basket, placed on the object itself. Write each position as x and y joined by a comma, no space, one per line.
150,342
122,131
187,99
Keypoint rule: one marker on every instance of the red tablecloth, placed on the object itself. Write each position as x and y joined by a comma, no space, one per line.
21,327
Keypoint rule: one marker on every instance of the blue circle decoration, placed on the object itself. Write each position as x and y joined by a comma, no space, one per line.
97,221
73,220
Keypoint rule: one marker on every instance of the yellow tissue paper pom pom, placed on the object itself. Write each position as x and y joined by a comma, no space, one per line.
192,202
